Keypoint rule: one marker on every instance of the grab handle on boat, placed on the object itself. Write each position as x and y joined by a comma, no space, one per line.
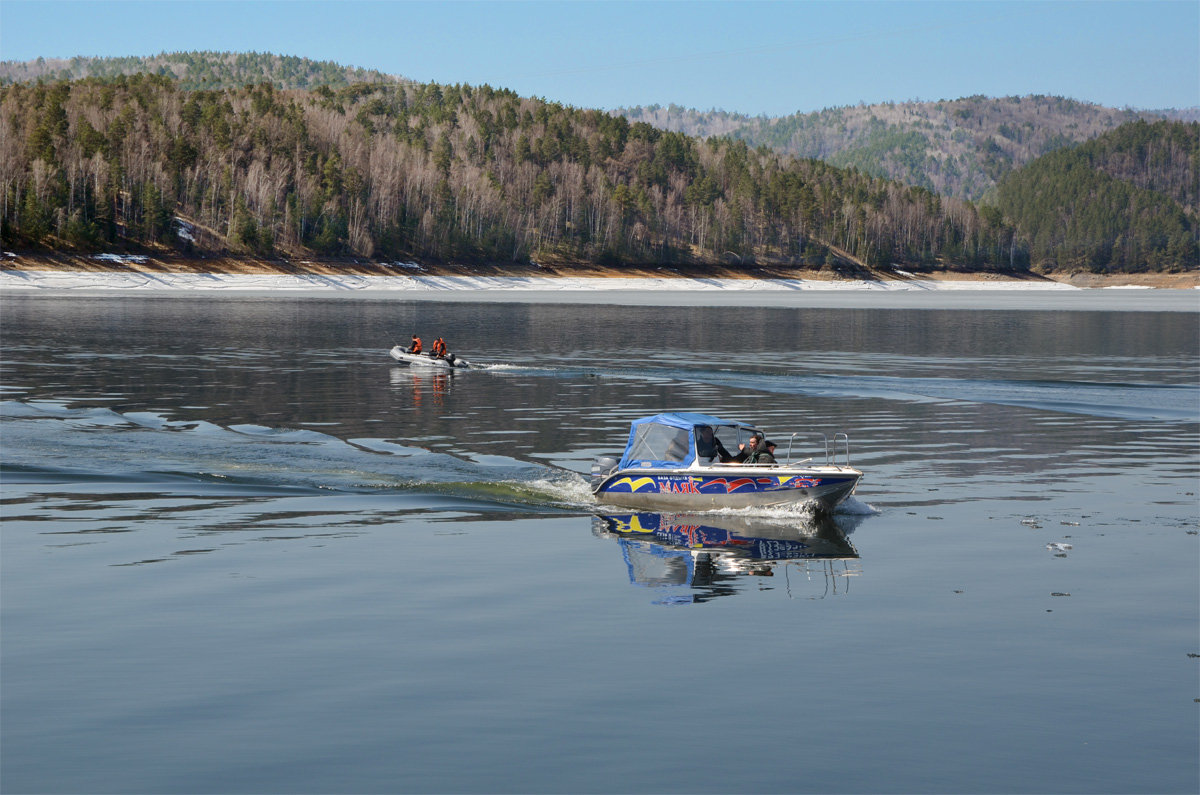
792,440
845,447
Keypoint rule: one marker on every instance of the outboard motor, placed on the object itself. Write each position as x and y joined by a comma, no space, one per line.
602,467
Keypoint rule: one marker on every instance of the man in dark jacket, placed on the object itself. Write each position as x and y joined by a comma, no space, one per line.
763,454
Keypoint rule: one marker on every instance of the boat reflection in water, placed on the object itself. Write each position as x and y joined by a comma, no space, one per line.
437,382
695,557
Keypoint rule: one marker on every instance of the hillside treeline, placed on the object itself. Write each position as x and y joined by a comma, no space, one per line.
1126,201
443,172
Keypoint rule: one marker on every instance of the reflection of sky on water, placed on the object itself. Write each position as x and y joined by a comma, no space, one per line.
258,540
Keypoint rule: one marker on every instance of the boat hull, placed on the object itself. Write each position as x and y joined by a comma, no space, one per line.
421,360
705,489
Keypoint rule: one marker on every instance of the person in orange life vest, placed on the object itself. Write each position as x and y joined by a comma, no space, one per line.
416,344
439,347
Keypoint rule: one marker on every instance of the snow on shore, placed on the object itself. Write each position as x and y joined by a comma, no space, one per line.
137,281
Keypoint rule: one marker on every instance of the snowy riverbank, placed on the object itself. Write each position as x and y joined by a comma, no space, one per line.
309,282
667,290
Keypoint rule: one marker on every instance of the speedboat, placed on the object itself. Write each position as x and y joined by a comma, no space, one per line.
671,463
449,362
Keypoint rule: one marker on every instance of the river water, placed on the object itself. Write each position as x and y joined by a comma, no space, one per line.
245,552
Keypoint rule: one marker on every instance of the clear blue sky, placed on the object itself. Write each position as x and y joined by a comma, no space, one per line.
750,57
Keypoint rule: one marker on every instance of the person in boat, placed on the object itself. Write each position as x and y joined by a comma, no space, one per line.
709,447
763,454
416,345
748,450
439,348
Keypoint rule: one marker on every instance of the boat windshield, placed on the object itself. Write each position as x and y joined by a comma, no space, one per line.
711,440
656,443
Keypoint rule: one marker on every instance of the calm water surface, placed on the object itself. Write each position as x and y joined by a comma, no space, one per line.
244,552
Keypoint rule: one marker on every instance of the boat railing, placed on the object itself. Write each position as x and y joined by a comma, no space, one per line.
831,451
845,439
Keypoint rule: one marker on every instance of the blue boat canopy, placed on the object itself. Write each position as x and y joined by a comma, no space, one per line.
669,441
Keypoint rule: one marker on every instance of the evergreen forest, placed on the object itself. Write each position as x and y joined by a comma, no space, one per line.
1126,201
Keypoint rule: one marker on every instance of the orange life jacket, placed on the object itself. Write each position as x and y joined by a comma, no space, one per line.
416,346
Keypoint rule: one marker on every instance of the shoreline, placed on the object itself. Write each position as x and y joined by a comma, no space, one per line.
347,269
108,276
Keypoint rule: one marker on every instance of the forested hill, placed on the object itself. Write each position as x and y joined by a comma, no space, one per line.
462,173
199,70
1126,201
954,148
958,148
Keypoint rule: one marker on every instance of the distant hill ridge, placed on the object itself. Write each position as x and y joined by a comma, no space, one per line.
958,148
208,71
